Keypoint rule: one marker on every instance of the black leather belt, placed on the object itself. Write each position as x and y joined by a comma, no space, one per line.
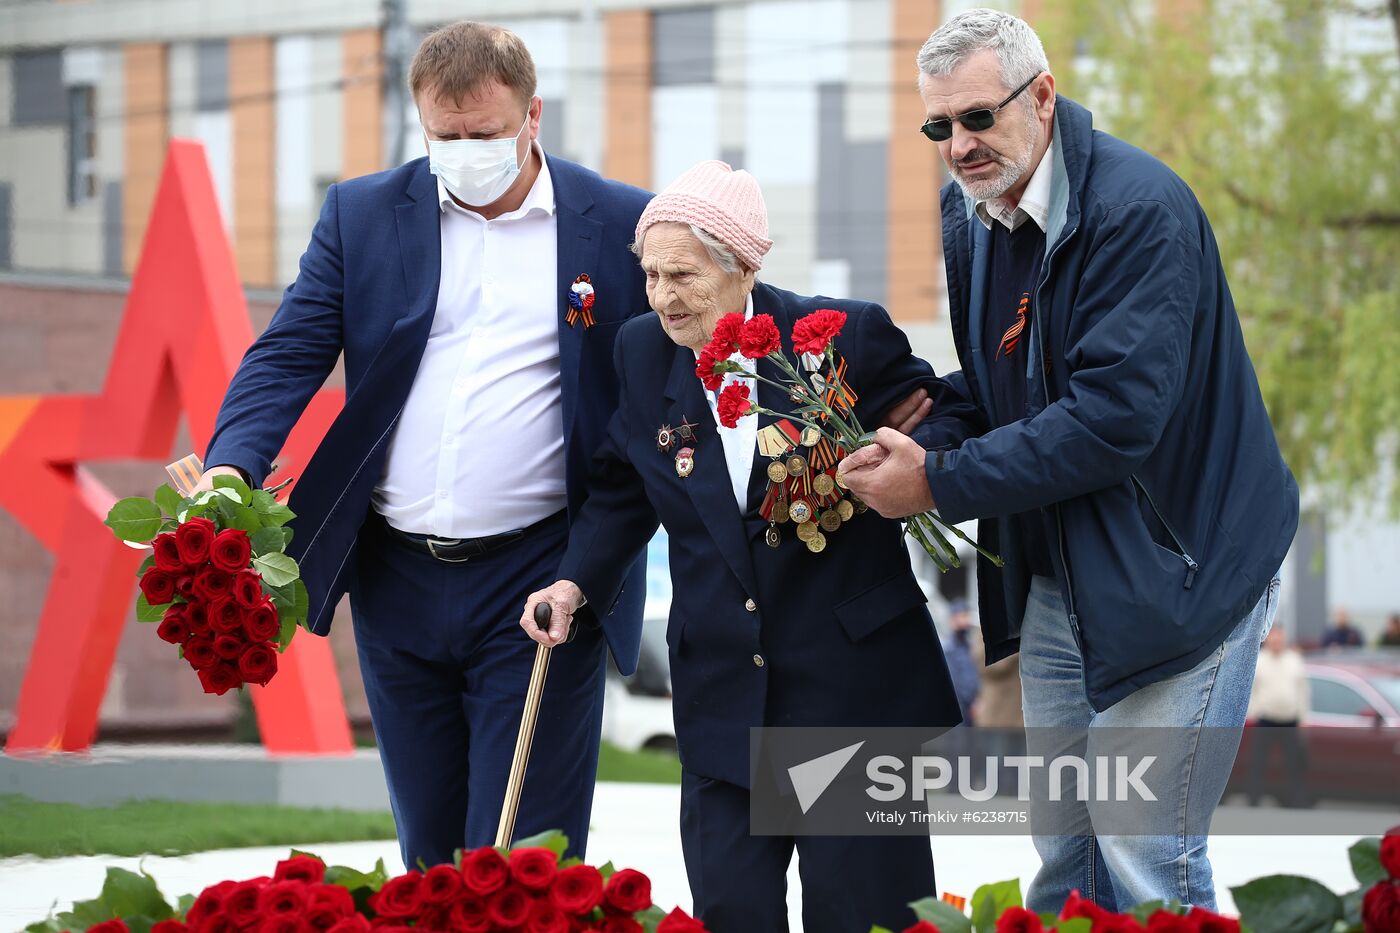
461,550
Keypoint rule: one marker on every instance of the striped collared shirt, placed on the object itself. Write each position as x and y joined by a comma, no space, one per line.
1034,204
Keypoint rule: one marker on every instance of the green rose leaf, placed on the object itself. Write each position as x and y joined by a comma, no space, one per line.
277,569
245,495
168,499
134,519
1076,925
129,894
267,541
146,564
1366,865
145,612
551,839
941,914
990,900
1286,904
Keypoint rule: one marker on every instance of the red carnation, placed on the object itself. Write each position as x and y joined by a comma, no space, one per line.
231,550
158,586
705,369
533,868
759,337
247,588
219,679
300,868
469,914
577,889
261,622
400,897
228,647
211,584
441,884
1076,906
546,918
199,618
168,553
509,906
619,924
1019,920
257,665
733,404
678,921
282,897
241,904
354,923
199,651
627,892
812,333
1208,921
226,616
484,871
193,538
169,926
726,335
175,626
1165,921
115,925
1390,851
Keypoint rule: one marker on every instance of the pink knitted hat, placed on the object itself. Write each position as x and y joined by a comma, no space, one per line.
724,203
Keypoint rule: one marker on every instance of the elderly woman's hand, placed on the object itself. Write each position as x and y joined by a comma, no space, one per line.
564,599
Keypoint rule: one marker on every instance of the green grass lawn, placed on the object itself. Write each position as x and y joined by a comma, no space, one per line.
28,827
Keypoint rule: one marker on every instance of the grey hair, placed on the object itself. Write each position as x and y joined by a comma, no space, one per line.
722,255
1018,48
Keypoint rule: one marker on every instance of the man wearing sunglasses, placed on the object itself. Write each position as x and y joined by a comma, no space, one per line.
1129,476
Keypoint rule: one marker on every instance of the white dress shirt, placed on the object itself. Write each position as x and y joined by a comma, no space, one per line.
1034,204
739,442
479,447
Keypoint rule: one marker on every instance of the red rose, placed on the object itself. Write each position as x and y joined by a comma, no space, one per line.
484,871
759,336
225,616
158,586
533,868
812,333
725,339
1019,920
198,615
546,918
184,585
923,926
282,897
1164,921
733,404
209,903
332,896
577,889
211,584
619,924
441,884
1117,923
199,651
228,647
400,897
168,553
627,892
261,622
1076,906
354,923
282,923
247,588
257,665
320,918
193,538
175,626
231,550
433,917
115,925
509,906
705,369
300,868
169,926
1390,852
469,914
1208,921
219,679
678,921
241,903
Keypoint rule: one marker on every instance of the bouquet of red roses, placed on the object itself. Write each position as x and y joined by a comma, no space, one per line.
526,889
825,410
219,582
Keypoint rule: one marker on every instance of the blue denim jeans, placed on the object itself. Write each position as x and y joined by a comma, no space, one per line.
1119,872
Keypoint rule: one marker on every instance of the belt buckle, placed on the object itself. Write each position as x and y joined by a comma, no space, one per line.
432,549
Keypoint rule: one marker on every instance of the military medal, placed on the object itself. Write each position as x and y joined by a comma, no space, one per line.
780,511
830,521
806,530
817,543
772,537
810,436
841,481
686,431
685,461
824,484
845,510
665,438
800,511
796,465
777,472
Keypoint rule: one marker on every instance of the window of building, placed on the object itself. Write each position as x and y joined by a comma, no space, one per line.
82,143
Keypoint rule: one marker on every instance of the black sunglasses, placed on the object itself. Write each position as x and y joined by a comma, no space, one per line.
975,120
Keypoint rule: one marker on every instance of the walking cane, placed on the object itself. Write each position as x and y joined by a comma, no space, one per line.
526,737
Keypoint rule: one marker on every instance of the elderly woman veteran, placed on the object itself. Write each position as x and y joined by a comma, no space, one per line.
759,635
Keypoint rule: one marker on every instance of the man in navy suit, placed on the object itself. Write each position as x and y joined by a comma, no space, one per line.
770,625
476,392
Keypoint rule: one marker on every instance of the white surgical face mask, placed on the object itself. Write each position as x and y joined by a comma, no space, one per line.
476,171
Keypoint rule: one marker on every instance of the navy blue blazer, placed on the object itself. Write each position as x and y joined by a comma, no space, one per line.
840,638
368,288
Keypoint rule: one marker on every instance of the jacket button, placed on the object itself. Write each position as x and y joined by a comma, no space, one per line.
750,605
758,660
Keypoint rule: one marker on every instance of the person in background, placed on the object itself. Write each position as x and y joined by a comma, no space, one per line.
1278,705
1342,634
1390,638
964,653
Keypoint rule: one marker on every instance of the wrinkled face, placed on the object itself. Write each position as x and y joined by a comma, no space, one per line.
988,163
686,287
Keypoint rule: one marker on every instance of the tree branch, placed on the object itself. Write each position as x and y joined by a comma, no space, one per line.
1361,221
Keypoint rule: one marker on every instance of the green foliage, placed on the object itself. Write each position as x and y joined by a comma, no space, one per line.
1365,856
1290,141
989,902
1286,904
941,914
551,839
145,612
134,519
